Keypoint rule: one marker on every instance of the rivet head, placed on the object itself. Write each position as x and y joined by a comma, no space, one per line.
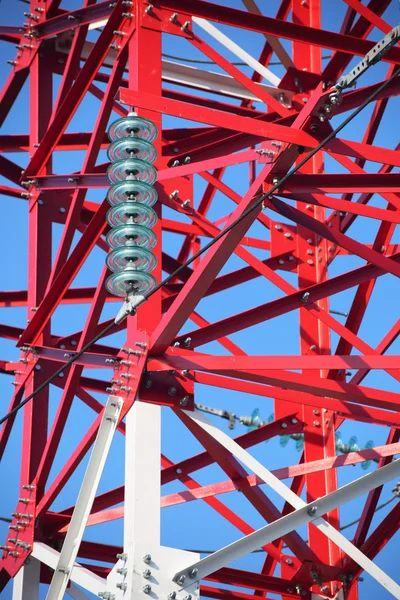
193,573
146,588
147,558
312,510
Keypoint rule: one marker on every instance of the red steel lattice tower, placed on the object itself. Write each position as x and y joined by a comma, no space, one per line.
112,51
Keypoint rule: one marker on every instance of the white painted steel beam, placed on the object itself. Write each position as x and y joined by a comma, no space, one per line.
237,50
76,593
85,499
79,575
303,513
275,44
27,580
189,76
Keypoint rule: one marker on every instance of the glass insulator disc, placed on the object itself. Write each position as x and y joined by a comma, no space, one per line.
131,235
120,170
131,148
140,259
130,280
132,126
132,190
131,212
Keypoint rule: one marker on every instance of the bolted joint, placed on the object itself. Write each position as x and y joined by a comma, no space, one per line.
122,556
312,511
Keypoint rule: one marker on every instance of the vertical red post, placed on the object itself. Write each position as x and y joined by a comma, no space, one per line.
319,432
39,267
145,76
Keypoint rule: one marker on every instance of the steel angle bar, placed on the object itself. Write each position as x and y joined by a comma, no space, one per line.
237,50
304,513
85,499
79,575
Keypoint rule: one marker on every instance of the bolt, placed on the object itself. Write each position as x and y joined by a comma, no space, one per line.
175,163
126,375
149,9
148,384
146,588
291,258
14,553
294,421
288,234
192,575
172,595
15,527
122,571
289,561
172,391
316,411
146,573
290,590
141,344
127,15
188,597
278,227
309,251
24,500
122,556
316,423
185,26
184,401
23,523
313,347
186,204
173,17
174,194
314,127
122,586
110,361
147,558
12,62
106,595
6,548
305,297
187,342
312,510
125,388
181,580
284,425
281,261
179,471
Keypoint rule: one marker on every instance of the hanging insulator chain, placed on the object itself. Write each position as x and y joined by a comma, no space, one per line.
131,216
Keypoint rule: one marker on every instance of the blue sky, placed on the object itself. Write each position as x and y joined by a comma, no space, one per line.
279,336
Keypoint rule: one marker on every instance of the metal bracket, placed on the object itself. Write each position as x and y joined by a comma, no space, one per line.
373,56
129,307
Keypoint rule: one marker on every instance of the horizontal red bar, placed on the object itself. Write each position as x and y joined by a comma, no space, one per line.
204,362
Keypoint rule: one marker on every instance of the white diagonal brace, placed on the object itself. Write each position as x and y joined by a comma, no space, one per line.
303,513
237,50
272,41
76,593
85,499
79,575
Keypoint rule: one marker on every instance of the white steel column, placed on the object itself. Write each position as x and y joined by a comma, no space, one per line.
27,580
85,499
304,513
146,567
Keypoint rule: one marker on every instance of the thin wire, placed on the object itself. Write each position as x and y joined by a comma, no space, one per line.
340,529
211,62
234,223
